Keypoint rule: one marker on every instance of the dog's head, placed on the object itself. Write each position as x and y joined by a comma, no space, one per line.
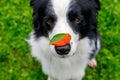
76,17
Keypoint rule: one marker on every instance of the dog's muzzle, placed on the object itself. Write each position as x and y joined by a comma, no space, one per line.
63,50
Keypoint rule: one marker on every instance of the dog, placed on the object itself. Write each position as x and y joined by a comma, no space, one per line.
76,17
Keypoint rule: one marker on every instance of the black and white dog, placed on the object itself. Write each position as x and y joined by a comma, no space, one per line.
76,17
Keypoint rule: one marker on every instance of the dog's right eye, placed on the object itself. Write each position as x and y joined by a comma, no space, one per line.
50,22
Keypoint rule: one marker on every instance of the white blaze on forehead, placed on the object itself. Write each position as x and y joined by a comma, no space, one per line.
61,7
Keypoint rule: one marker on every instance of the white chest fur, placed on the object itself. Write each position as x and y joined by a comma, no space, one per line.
62,68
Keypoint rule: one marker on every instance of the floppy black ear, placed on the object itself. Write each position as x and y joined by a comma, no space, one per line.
97,4
38,16
35,4
31,2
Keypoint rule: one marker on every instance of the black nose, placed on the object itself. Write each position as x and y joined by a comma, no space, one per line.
63,50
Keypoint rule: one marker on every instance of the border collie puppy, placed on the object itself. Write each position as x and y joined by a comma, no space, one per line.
76,17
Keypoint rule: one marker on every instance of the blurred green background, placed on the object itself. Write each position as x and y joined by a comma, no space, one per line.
16,63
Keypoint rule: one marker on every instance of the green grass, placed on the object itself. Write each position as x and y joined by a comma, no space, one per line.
16,63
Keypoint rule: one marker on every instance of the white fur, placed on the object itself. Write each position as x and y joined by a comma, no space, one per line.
92,63
62,25
63,68
61,7
71,67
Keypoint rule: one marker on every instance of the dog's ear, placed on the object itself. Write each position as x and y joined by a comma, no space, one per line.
97,4
38,3
35,4
38,16
31,2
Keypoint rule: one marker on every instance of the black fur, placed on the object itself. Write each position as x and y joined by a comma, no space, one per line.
86,10
39,7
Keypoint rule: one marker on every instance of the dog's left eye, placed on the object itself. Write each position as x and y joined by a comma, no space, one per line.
77,20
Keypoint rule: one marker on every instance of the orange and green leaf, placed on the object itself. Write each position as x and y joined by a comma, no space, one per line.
60,39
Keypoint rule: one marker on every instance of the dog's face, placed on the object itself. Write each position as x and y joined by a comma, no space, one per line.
76,17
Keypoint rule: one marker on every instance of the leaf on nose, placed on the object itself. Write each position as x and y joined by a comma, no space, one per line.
61,39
